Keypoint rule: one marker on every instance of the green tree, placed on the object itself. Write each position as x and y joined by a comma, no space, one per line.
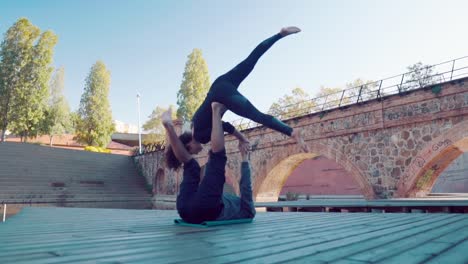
25,70
329,97
357,90
419,75
31,100
57,121
74,120
361,90
154,126
194,87
95,125
297,104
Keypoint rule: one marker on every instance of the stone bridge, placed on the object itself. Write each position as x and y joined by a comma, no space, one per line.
393,147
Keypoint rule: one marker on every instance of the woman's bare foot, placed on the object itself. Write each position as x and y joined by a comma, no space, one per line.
299,138
289,30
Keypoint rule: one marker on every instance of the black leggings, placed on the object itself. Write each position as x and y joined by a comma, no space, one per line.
224,90
198,202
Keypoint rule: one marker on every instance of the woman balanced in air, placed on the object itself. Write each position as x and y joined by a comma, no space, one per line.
225,91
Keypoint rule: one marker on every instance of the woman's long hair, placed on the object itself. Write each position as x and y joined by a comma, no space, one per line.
171,160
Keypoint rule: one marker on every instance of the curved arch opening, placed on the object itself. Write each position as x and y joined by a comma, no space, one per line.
438,172
319,177
454,179
271,187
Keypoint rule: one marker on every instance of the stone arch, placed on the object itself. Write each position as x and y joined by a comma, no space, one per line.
158,181
283,162
430,162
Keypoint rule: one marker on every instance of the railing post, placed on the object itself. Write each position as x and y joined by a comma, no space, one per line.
341,100
4,212
453,67
360,91
378,91
401,83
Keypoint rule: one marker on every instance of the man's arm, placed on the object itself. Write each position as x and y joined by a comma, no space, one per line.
247,204
245,182
244,143
179,149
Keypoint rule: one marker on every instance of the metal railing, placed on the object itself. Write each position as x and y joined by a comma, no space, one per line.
398,84
149,148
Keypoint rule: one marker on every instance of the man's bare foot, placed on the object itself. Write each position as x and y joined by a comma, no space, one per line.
289,30
299,138
166,117
218,108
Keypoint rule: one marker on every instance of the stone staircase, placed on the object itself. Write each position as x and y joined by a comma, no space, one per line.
34,175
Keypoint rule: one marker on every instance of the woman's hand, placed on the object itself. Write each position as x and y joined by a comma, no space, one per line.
166,117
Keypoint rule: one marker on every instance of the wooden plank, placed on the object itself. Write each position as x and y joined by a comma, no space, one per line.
299,251
426,251
284,248
304,227
456,254
379,247
408,240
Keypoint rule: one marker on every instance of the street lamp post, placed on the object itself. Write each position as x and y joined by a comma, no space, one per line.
139,125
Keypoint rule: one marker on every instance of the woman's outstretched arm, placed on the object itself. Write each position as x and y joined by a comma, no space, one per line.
178,147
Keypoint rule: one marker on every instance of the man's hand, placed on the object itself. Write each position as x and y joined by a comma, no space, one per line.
244,145
244,148
166,117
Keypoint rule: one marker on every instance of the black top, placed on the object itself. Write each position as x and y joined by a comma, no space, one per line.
202,122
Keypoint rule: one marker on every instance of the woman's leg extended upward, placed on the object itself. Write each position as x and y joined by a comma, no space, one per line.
243,69
224,90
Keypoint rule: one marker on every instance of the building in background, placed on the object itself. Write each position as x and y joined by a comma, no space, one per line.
121,127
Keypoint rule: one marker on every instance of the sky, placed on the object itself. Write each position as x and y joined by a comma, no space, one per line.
145,43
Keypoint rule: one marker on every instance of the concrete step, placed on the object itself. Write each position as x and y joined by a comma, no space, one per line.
71,199
60,196
103,191
61,186
75,180
29,172
15,208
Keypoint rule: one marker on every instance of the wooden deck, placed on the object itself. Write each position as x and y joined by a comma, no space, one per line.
441,204
76,235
